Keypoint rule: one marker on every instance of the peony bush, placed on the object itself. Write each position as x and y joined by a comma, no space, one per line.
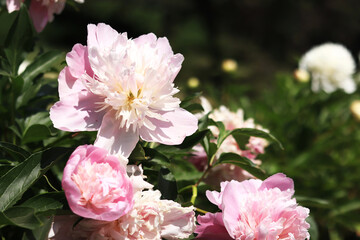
106,142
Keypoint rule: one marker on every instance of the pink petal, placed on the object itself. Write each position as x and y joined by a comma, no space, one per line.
181,124
149,38
101,36
78,61
77,112
179,222
278,180
211,227
232,197
115,139
13,5
68,84
39,15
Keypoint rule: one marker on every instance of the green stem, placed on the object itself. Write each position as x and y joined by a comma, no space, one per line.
47,180
194,194
185,188
200,210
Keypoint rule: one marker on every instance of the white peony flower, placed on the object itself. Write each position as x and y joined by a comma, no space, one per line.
331,67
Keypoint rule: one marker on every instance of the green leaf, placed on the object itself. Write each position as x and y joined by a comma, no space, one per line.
183,170
20,37
188,100
313,230
193,108
157,157
20,178
46,202
17,153
167,184
42,64
313,202
9,19
209,147
42,233
348,207
17,85
243,162
194,139
20,216
138,154
256,133
38,118
36,133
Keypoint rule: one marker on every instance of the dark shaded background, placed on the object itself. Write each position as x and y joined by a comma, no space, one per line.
264,36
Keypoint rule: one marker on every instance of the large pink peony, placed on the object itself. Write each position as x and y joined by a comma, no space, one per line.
96,185
123,88
150,218
255,209
41,11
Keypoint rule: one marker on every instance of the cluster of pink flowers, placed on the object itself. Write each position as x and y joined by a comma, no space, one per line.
255,209
150,218
41,11
123,88
231,120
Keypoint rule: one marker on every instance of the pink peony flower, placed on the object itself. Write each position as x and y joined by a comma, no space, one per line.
41,11
123,88
96,185
150,218
255,209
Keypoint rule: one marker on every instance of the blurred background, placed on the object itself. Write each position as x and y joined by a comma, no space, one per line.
263,36
242,54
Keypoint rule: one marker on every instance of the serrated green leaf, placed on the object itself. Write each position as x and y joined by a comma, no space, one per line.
243,162
20,178
17,153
